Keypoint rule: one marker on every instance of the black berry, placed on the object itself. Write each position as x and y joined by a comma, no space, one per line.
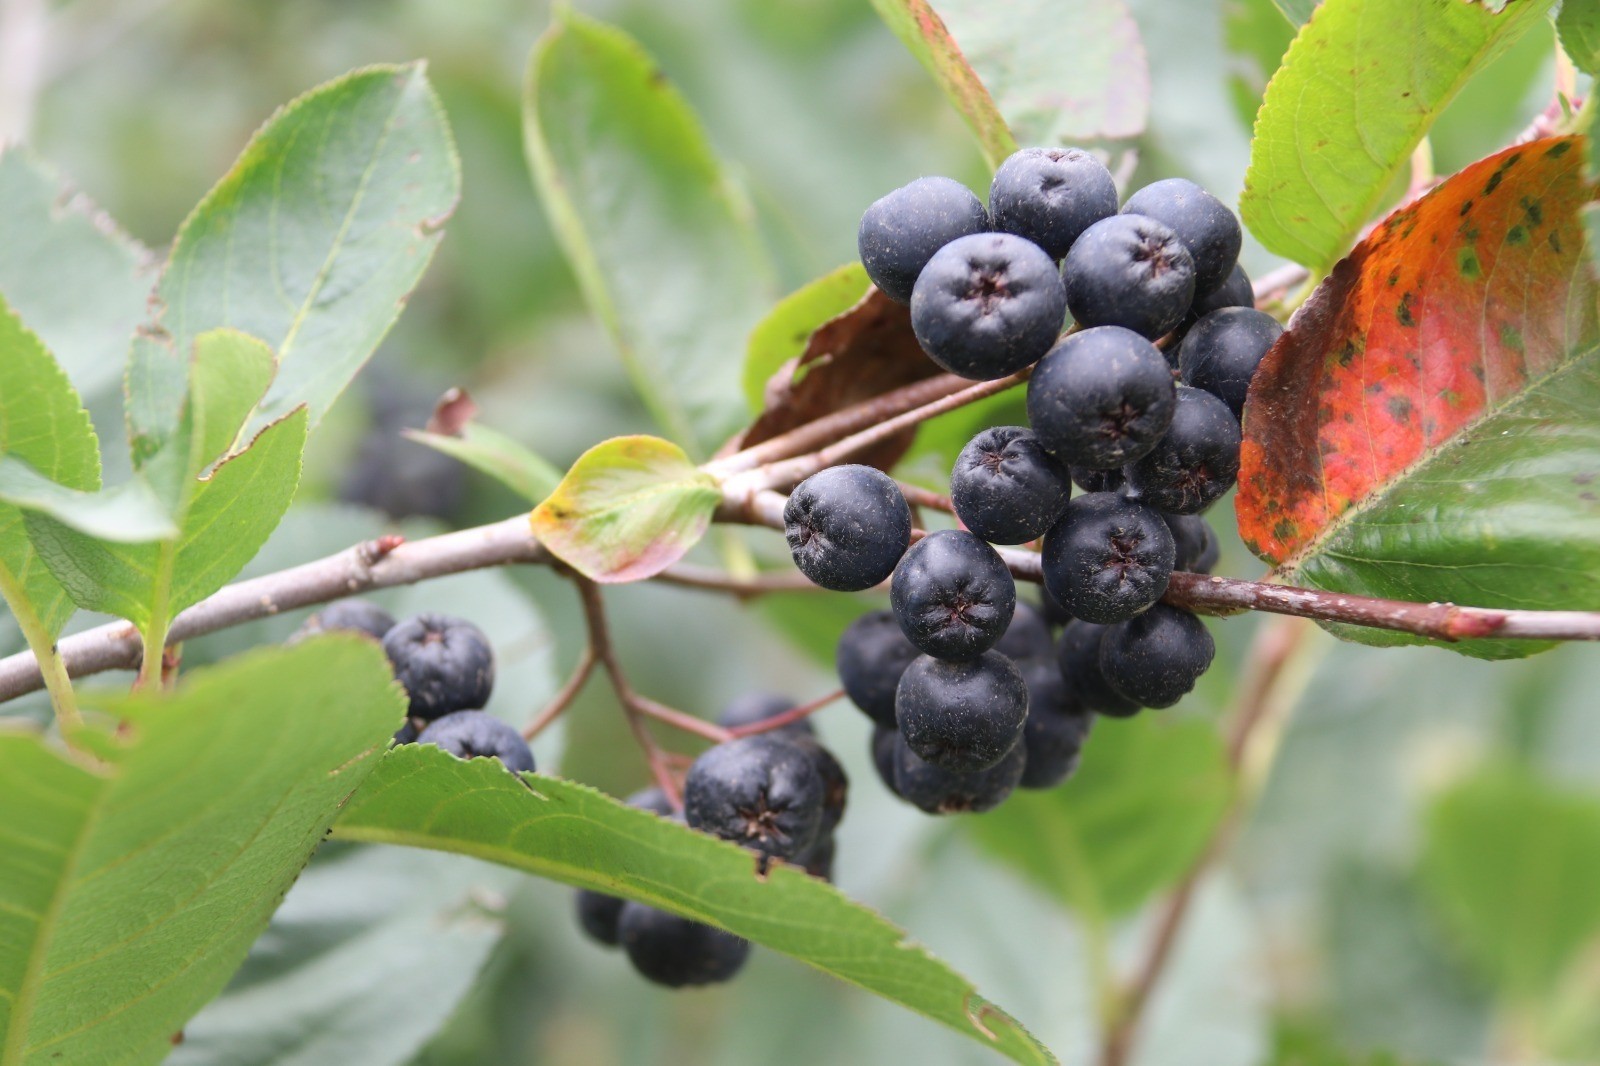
988,305
872,654
477,734
883,743
678,952
755,707
1101,398
1202,222
1108,558
1079,662
900,232
1156,658
962,716
598,912
1197,549
1028,636
818,862
348,616
1056,728
1051,195
763,792
1006,488
952,595
1129,271
1237,291
847,527
1089,479
1222,350
1195,463
1055,614
444,663
939,791
835,784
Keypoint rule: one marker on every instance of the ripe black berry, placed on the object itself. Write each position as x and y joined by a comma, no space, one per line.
1108,558
872,654
818,862
350,616
1222,350
1056,728
962,716
883,744
598,912
1089,479
1197,549
1195,463
988,305
835,784
1129,271
763,792
678,952
1006,488
754,707
939,791
1079,660
1101,398
1156,658
444,663
1027,637
477,734
900,232
1237,291
1051,195
952,595
1055,614
1202,222
847,527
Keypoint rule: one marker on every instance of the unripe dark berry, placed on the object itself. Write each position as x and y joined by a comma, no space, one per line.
988,305
762,792
1108,558
1196,463
939,791
952,595
962,716
872,654
1101,398
1129,271
900,232
847,527
444,663
1156,658
1006,488
1202,222
1051,195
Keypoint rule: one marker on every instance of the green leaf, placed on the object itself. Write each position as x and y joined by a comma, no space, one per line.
1428,429
126,902
1130,822
1257,37
924,33
321,984
1579,27
311,242
127,513
1513,864
783,334
502,458
567,832
1016,49
77,280
629,508
1356,94
42,425
225,521
1297,11
663,246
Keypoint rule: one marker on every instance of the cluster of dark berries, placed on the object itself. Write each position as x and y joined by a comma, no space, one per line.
446,667
779,793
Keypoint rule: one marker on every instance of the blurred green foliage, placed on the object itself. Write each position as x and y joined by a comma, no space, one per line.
1323,939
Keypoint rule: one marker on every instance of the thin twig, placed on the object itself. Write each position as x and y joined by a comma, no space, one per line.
789,717
563,699
687,575
1258,700
917,496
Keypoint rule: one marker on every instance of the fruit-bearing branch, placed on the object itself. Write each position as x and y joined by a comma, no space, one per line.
389,562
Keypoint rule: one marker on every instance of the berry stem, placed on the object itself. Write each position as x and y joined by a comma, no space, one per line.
44,650
789,717
563,699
